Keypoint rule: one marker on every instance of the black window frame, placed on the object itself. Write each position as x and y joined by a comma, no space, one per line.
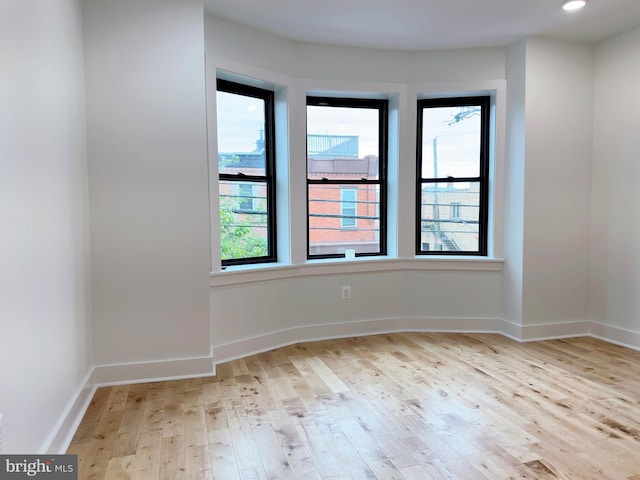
268,179
382,105
484,102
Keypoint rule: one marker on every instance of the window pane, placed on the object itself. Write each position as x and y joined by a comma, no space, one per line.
348,207
245,194
344,216
241,140
342,142
449,219
243,220
451,142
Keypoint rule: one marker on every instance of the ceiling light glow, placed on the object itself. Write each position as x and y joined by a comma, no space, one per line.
574,4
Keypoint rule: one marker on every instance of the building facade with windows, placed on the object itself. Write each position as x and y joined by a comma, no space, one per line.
341,216
449,218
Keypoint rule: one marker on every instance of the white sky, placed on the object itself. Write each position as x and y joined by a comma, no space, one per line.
241,118
362,122
457,145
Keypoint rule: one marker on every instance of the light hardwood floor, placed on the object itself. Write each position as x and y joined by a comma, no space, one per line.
398,406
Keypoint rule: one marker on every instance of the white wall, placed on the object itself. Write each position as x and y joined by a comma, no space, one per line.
615,256
149,184
559,108
514,184
45,351
547,239
304,60
254,315
309,307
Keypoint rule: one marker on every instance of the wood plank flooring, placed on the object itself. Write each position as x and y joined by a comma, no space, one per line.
398,406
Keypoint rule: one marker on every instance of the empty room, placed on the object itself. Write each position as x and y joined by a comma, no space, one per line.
333,240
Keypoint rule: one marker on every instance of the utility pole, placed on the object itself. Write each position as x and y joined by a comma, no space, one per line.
436,200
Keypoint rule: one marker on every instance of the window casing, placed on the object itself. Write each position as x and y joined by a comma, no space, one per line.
452,191
346,176
246,169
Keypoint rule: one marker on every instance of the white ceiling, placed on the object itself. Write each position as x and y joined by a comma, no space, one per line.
414,25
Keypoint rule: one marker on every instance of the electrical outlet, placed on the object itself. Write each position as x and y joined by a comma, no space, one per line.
346,292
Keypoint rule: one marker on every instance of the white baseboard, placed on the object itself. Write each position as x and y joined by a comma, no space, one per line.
510,329
105,375
154,371
261,343
607,333
617,335
548,331
521,333
60,439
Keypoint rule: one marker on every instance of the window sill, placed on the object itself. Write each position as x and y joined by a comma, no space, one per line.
276,271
